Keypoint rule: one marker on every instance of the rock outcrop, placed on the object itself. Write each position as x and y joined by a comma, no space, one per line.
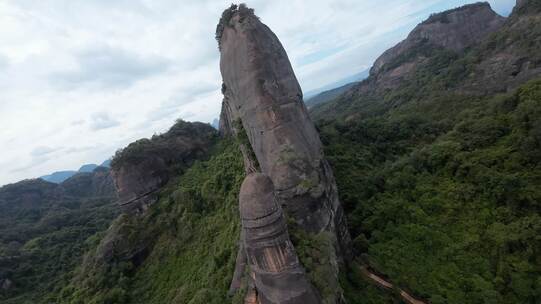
524,7
454,30
263,103
143,167
262,93
275,268
469,50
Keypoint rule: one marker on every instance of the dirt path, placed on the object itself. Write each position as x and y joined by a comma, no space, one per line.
389,286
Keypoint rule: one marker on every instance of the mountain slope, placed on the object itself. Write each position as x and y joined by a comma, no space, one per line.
44,230
328,95
439,169
505,58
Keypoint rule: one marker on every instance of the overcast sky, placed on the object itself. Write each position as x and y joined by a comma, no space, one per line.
81,78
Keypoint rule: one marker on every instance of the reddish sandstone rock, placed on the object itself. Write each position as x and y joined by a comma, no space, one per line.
264,96
263,106
455,30
277,273
143,167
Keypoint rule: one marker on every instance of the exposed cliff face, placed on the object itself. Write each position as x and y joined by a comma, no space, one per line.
146,165
274,265
454,30
511,56
525,7
262,94
467,51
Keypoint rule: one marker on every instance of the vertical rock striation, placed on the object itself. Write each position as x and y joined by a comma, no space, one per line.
263,94
277,273
263,103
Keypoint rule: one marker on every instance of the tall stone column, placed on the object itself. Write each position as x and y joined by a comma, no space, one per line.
278,276
263,95
263,106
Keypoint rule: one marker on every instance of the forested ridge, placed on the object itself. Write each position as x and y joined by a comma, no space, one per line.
439,175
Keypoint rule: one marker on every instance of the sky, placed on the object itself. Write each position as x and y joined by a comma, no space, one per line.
80,79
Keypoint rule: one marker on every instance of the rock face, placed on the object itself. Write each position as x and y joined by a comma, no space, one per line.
262,93
276,271
455,30
146,165
263,106
467,51
524,7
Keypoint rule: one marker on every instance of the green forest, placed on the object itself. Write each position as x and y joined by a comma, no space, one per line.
443,196
439,177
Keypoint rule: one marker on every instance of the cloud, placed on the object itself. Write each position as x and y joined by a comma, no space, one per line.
108,67
38,156
42,151
69,67
102,120
78,122
3,62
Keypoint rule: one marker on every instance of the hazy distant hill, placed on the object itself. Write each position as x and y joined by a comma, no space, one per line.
60,176
46,227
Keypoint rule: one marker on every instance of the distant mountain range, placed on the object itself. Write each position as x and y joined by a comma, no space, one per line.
333,90
60,176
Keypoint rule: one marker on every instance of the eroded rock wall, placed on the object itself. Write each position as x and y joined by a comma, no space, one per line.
455,30
263,107
275,268
143,167
263,94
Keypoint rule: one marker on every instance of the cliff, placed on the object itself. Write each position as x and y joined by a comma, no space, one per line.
419,160
275,268
453,30
469,51
263,99
143,167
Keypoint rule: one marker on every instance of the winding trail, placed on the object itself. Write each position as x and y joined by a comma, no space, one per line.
389,286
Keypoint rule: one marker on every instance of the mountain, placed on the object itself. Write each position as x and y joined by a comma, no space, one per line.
45,228
215,123
106,163
145,166
285,166
419,184
58,177
87,168
469,50
328,95
436,157
342,82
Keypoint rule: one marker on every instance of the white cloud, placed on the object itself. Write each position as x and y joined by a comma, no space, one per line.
84,78
107,67
102,120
